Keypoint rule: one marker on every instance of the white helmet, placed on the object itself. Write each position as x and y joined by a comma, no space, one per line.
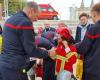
64,75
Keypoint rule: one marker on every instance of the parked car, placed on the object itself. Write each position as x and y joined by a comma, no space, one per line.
48,12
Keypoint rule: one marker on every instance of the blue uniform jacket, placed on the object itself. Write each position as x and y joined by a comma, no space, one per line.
19,42
90,48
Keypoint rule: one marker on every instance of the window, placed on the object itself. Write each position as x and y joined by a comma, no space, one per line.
43,9
50,9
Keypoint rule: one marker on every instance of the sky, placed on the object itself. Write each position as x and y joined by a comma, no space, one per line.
62,6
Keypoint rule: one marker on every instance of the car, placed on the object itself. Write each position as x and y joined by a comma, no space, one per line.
47,12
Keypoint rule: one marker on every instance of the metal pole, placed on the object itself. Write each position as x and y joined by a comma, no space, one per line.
21,4
7,7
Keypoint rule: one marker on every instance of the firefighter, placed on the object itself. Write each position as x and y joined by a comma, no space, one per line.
19,44
90,47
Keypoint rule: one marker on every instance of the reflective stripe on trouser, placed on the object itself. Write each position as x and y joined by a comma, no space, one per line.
79,69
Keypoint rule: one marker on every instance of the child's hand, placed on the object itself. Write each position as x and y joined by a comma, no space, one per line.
65,43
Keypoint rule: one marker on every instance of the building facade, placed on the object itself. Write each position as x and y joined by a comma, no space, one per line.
75,11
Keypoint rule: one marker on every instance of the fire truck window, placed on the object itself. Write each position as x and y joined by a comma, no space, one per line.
43,9
50,10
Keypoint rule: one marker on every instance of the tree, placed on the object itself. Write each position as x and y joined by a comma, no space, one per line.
15,5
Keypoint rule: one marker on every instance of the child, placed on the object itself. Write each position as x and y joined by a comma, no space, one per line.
66,51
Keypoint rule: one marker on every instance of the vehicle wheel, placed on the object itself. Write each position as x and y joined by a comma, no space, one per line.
55,18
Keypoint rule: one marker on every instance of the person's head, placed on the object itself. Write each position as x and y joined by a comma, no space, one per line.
95,12
32,10
83,18
47,25
64,34
62,25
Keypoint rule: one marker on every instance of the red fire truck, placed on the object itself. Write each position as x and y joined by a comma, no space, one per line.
48,12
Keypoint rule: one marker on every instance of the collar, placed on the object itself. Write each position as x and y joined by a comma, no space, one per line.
84,26
24,14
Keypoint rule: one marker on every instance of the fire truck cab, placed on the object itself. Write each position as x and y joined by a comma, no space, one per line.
47,12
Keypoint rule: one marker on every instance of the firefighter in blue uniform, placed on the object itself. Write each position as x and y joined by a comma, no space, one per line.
48,63
90,47
19,44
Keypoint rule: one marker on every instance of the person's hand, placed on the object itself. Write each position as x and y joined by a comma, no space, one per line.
41,61
52,52
65,43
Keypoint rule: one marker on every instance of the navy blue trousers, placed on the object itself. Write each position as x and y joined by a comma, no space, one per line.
89,76
7,73
48,69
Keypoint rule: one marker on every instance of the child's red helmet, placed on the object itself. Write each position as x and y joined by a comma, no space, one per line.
64,32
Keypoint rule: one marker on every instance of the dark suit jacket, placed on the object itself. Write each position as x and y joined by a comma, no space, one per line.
78,32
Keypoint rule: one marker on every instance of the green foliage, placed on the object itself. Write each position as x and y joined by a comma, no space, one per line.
1,1
15,5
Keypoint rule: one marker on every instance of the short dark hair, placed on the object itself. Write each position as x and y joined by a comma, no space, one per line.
32,4
83,14
70,40
96,8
